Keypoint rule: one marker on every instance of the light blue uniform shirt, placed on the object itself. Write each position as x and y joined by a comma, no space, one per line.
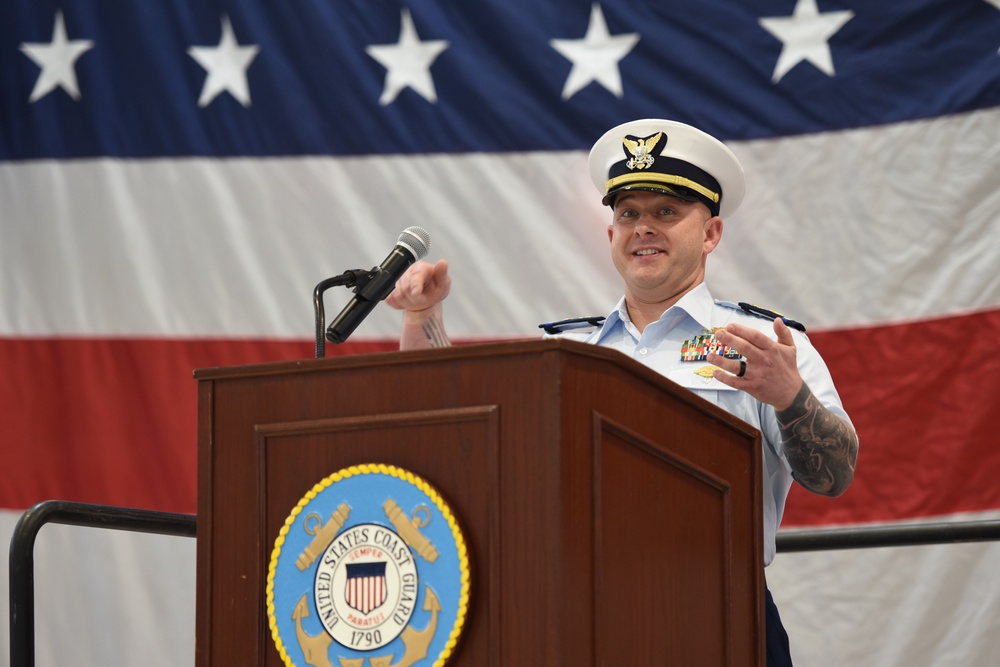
659,347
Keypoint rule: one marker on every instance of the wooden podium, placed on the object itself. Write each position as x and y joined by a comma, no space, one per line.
613,517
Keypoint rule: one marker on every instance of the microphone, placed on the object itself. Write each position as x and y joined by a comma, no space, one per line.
412,245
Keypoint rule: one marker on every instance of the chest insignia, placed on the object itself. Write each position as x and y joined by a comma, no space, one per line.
699,347
706,372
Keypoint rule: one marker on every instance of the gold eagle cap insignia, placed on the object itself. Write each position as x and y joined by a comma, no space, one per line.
641,151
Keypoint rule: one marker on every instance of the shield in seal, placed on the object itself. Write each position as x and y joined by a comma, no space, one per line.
366,588
370,564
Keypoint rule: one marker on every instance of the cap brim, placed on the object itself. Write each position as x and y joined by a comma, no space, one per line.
679,193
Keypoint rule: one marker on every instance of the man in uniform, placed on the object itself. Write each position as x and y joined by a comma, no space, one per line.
669,187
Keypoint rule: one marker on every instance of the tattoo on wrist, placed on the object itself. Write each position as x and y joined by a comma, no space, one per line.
821,448
435,333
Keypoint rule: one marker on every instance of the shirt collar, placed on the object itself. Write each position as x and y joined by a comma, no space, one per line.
697,303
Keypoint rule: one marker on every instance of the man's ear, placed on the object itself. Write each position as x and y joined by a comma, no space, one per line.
713,233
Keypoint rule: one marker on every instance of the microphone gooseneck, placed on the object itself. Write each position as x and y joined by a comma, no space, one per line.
413,244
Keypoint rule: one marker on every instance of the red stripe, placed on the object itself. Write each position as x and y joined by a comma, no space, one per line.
114,421
924,397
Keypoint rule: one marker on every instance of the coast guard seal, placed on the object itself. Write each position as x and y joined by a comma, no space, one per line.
371,565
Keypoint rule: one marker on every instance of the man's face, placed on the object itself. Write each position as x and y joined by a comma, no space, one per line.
659,244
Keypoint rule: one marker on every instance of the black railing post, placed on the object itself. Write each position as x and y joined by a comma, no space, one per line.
22,559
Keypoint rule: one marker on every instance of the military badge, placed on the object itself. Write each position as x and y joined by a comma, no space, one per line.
371,565
707,373
640,150
699,347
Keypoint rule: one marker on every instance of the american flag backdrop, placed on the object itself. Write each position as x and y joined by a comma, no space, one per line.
177,176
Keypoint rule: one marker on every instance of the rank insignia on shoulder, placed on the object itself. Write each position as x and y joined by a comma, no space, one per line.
563,326
771,315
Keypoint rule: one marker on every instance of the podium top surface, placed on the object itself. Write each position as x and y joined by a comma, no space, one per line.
568,349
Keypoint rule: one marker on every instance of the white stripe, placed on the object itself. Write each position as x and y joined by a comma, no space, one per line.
872,226
235,247
850,228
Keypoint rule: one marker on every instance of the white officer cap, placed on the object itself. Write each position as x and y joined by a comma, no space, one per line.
669,157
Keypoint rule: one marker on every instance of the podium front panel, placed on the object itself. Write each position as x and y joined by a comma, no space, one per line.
612,517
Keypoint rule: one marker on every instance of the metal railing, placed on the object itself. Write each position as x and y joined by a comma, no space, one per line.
22,557
888,536
22,544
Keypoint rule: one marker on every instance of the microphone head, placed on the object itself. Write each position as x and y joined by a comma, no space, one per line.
416,240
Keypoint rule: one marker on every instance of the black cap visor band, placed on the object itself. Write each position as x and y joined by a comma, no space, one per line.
680,193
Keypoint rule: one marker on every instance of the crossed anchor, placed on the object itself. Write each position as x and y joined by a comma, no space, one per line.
315,647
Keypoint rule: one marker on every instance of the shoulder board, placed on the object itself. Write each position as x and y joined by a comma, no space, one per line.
771,315
568,325
751,309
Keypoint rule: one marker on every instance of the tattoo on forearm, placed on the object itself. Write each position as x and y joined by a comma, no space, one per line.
435,333
820,446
